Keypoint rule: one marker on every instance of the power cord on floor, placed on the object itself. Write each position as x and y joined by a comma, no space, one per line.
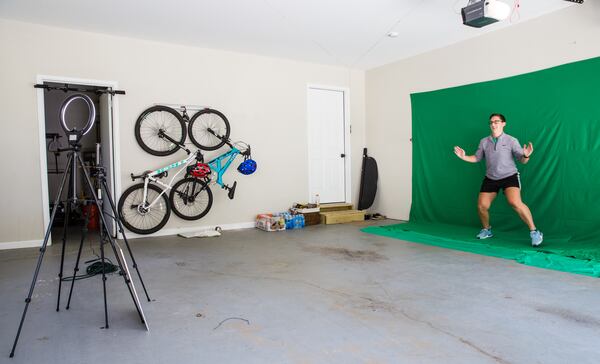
94,269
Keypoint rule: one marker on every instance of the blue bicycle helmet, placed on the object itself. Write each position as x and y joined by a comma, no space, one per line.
248,166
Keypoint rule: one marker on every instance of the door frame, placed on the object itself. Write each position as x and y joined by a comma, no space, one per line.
347,136
40,79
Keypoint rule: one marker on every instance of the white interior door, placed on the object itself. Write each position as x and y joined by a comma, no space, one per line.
326,147
106,153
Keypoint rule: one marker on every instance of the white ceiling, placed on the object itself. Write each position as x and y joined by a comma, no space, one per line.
349,33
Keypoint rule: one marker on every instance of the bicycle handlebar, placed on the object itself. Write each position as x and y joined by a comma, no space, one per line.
247,152
162,134
222,138
143,175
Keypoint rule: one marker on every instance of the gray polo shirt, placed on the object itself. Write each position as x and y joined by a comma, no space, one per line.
499,156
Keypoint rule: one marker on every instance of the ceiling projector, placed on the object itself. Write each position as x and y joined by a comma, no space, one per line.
479,13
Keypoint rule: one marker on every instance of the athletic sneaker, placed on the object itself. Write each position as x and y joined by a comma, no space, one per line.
485,233
536,237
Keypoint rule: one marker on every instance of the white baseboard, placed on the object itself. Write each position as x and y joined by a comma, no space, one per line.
22,244
175,231
163,232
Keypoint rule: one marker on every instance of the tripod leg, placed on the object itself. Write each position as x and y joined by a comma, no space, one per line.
122,231
62,254
103,259
42,251
102,241
71,198
112,242
84,231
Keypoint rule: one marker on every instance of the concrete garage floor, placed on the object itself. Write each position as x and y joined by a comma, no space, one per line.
323,294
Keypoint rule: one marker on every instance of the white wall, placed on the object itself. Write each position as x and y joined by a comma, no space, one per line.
264,99
561,37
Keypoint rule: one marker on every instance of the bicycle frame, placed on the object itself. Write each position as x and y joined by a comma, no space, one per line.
150,177
217,166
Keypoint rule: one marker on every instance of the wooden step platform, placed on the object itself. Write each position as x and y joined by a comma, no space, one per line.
340,206
342,216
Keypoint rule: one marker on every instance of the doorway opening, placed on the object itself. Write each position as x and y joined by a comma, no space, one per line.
328,144
98,147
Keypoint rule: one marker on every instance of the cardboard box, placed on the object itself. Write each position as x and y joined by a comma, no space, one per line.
312,218
267,222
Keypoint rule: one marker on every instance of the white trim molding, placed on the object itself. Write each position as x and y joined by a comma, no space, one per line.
190,229
163,232
21,244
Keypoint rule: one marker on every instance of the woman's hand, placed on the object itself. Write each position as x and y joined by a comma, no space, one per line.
527,149
460,153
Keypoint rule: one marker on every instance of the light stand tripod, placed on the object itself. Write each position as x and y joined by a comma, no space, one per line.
74,161
99,173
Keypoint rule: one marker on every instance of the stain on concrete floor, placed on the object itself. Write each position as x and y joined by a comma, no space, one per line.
570,315
346,254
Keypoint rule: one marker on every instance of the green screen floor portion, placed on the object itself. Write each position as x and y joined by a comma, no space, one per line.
556,253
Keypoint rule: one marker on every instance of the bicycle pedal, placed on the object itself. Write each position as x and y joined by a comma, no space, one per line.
232,190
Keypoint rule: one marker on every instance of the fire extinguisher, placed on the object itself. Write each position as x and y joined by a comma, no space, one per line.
92,210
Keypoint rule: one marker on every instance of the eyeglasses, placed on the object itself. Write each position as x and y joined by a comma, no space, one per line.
496,121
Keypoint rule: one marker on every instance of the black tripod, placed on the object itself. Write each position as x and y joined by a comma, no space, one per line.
75,161
99,173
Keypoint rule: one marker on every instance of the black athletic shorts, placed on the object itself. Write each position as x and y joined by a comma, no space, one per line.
491,185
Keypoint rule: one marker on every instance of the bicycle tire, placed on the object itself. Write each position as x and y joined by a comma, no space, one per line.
182,203
198,129
133,219
154,119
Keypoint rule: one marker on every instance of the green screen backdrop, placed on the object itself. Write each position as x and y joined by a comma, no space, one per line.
558,110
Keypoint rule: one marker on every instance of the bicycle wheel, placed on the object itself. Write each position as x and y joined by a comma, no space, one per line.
191,198
156,119
209,129
136,216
